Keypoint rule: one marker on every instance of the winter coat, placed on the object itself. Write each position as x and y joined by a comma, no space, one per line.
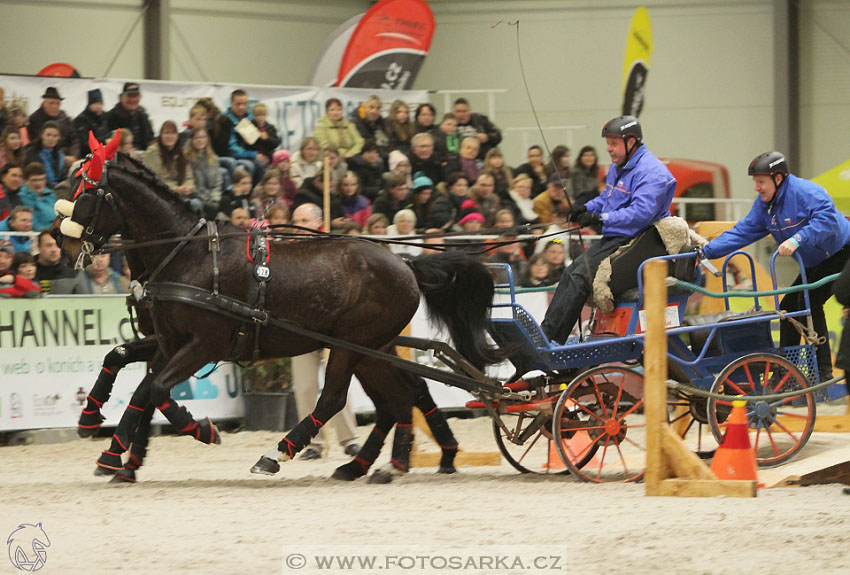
269,145
153,160
208,181
357,209
52,160
480,124
635,196
341,136
68,140
42,206
87,122
236,145
300,169
800,209
138,123
371,175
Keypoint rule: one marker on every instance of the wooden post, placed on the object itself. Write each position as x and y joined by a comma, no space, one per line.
671,468
326,193
655,373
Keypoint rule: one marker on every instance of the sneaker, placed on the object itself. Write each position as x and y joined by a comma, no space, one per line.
309,454
352,449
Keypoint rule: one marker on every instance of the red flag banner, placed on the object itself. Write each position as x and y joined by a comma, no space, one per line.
388,46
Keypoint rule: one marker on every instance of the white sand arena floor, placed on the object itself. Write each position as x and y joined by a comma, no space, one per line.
197,509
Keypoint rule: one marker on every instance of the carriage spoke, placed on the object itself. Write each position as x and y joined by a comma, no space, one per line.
785,429
590,412
602,460
749,376
619,396
772,442
599,399
634,407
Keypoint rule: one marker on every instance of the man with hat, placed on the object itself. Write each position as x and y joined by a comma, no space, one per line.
802,218
50,111
92,119
638,192
129,115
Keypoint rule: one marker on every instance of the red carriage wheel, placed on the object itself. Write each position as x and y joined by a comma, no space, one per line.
600,425
778,429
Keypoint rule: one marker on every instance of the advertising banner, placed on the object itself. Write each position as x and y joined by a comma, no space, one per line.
52,349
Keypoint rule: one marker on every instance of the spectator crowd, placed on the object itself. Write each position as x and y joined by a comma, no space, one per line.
403,173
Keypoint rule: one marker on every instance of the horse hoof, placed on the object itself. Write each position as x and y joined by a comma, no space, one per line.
446,470
89,424
208,432
101,471
124,476
380,477
110,461
348,472
86,432
266,466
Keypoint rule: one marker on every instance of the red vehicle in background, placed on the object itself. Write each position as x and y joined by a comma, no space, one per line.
698,179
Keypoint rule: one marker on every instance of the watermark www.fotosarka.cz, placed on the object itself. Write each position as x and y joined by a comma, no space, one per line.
423,559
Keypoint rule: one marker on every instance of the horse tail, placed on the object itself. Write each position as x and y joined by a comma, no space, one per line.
459,292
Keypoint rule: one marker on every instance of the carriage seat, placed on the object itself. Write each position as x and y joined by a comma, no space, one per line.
682,269
734,338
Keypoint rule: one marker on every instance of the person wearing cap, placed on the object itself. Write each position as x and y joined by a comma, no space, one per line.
92,119
638,192
803,219
422,202
50,111
282,163
128,114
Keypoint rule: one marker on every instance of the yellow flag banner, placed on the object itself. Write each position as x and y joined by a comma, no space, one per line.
837,183
636,66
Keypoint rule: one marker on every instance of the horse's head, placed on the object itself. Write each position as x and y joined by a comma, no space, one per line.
90,219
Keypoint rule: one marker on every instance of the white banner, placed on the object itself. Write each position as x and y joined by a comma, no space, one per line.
294,111
52,349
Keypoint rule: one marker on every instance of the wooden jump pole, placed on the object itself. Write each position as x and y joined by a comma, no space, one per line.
326,193
671,468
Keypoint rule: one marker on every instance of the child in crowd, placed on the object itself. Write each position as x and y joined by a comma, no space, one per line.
205,170
538,273
197,120
35,194
11,147
306,161
450,142
369,167
269,139
555,256
46,151
239,195
399,127
267,194
376,225
355,205
494,164
13,283
281,163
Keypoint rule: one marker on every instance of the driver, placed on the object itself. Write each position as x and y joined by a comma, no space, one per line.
802,218
638,192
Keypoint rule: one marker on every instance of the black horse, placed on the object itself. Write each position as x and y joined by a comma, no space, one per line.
204,303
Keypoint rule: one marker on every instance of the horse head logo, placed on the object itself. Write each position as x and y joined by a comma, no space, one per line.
28,547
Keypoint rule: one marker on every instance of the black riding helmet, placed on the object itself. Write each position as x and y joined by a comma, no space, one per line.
624,127
769,164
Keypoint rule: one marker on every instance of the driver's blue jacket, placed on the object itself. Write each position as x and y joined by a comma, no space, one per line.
800,209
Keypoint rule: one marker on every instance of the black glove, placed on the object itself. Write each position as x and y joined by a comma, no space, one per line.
575,211
699,252
589,219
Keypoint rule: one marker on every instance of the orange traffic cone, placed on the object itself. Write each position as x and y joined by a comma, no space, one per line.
734,459
553,461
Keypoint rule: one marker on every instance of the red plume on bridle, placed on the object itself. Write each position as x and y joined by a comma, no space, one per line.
92,170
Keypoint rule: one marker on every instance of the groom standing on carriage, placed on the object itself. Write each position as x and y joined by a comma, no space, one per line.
802,218
638,192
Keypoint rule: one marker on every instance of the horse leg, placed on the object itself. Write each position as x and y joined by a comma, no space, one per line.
91,419
138,449
110,460
180,366
438,424
334,395
360,464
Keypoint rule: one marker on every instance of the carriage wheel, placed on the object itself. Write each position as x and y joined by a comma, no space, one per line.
688,417
599,420
526,438
773,425
536,452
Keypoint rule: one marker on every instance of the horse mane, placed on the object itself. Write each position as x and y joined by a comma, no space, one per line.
134,168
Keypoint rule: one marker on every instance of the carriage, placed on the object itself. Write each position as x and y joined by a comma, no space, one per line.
583,411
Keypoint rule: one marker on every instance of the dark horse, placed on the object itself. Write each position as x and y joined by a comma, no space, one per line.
348,289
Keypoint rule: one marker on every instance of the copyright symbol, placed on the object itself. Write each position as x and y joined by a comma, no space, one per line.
295,561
